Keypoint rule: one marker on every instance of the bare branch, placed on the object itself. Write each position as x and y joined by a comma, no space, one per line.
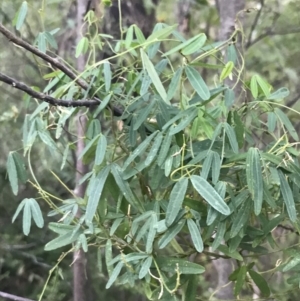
13,297
255,22
44,97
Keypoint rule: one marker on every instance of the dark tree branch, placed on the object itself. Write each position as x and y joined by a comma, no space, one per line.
271,32
47,98
53,61
13,297
255,22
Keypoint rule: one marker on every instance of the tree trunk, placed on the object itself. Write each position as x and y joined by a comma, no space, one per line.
229,11
79,258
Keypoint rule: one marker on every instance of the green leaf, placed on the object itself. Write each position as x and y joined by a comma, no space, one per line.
22,15
216,167
191,289
164,149
41,42
195,235
170,265
183,124
154,149
194,45
108,256
263,85
171,233
261,283
286,123
12,173
89,146
224,249
161,33
254,178
145,267
46,138
174,84
61,241
61,228
139,150
210,194
82,46
102,105
221,229
107,75
279,94
147,64
295,261
51,40
125,188
176,199
240,280
254,87
143,115
227,70
231,137
183,45
95,191
115,225
229,97
114,275
100,150
272,120
140,36
197,82
151,233
240,218
36,213
207,165
20,207
129,37
288,197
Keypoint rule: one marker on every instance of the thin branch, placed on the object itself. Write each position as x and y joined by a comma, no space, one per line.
13,297
44,97
255,22
53,61
271,32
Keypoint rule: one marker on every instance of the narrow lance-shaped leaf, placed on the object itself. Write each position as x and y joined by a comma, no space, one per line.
254,178
195,235
36,213
176,199
22,15
287,123
100,150
288,197
95,193
154,76
170,265
114,275
171,233
261,283
125,188
197,82
12,173
139,150
26,217
210,194
154,149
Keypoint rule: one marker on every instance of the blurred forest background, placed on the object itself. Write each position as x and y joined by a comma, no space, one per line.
271,48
